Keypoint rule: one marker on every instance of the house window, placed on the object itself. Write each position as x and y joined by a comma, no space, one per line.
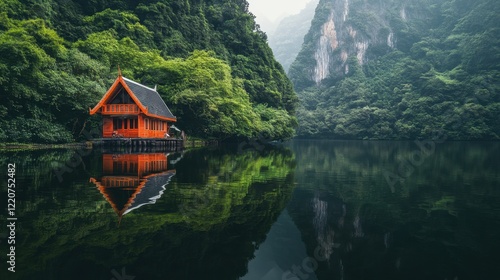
117,124
133,167
117,167
133,123
125,123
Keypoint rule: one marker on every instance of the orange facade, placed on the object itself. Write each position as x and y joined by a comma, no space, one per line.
133,126
129,114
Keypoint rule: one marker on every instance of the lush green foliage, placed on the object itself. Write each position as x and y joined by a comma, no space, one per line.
46,88
444,74
59,57
208,99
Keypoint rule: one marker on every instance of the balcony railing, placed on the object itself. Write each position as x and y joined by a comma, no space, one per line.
121,109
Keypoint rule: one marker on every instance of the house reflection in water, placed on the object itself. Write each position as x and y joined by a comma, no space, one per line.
130,181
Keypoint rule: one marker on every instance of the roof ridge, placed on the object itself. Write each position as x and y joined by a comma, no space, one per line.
139,84
149,98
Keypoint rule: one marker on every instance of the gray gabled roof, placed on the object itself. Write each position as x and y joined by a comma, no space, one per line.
150,98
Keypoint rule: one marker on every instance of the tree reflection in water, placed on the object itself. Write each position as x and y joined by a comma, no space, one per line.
69,229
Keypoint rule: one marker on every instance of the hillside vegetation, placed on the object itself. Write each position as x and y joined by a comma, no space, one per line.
401,70
211,63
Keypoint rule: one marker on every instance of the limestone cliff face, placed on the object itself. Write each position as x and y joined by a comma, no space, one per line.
361,29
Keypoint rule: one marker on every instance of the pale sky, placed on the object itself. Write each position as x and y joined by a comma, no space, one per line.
269,12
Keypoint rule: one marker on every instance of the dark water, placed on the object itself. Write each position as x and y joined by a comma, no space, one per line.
303,210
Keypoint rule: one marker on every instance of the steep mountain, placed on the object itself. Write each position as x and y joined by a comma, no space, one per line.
209,59
286,40
387,69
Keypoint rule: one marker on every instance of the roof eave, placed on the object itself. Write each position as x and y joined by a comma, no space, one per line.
143,108
111,90
174,119
105,97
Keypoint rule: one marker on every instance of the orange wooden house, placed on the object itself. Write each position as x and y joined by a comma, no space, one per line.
132,110
130,181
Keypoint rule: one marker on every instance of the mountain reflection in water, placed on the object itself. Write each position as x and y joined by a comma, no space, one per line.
315,209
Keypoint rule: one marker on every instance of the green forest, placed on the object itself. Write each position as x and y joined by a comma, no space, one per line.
214,69
209,59
443,73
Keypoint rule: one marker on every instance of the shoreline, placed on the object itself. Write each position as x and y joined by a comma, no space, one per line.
9,147
13,147
194,143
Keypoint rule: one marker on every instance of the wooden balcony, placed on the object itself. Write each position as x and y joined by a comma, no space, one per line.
120,109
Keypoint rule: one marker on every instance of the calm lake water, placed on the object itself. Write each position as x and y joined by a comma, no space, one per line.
301,210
